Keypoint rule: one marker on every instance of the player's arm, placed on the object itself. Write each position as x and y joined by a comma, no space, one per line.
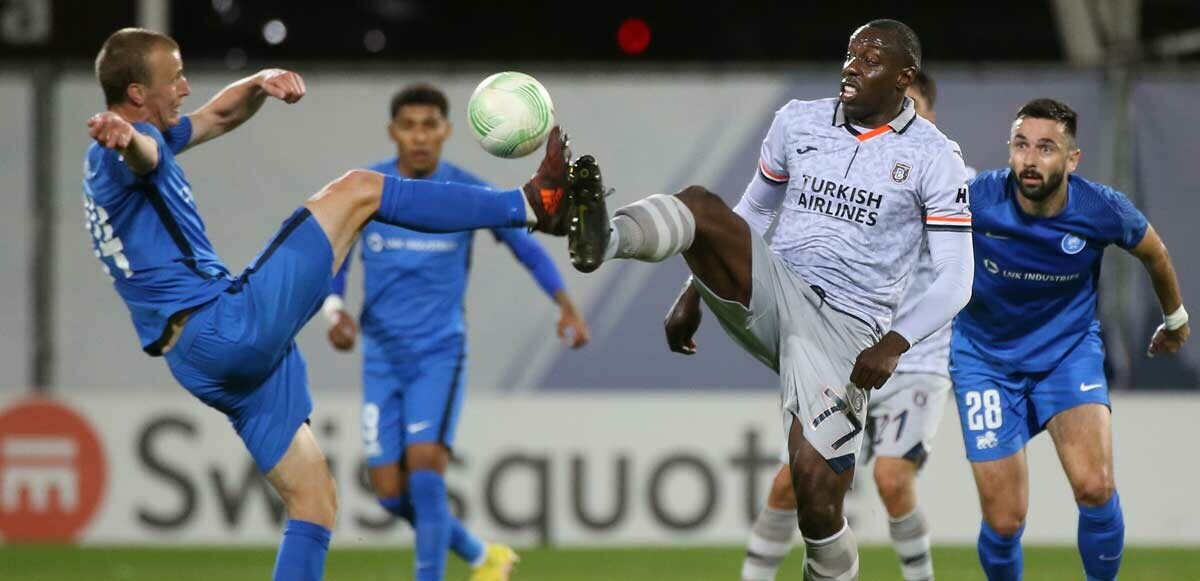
953,260
342,330
572,328
241,100
138,150
945,194
1174,330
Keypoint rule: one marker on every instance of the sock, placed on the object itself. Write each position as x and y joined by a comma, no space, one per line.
910,538
462,542
652,229
1102,539
770,541
302,552
433,523
999,555
833,559
428,206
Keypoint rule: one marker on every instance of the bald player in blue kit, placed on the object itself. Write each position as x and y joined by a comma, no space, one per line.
1026,353
229,340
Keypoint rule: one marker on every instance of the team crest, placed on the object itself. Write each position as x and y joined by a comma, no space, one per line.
1072,244
900,172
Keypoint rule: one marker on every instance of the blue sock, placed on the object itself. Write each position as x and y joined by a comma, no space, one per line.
433,523
999,555
462,542
445,207
1102,539
301,554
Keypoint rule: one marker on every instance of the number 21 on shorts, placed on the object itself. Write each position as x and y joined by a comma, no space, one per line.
983,409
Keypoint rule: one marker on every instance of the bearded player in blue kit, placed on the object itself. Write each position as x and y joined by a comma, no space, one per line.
229,340
1026,353
414,343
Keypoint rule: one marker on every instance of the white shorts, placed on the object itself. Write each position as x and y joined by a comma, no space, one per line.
903,417
794,331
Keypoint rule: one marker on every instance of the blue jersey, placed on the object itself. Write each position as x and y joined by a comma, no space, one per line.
1034,296
148,235
415,282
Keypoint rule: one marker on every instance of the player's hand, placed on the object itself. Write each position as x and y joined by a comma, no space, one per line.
876,363
110,130
343,331
572,329
1165,341
283,85
682,322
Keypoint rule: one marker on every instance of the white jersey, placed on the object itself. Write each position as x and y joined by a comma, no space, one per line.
858,202
932,354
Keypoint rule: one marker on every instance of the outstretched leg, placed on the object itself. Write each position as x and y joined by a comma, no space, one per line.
345,205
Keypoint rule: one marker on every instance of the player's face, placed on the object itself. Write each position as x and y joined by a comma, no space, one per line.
1041,154
922,104
163,96
874,75
419,132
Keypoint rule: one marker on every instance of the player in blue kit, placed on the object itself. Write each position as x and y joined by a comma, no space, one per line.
414,343
1026,353
229,340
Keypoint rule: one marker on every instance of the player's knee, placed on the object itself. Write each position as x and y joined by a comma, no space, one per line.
781,496
358,187
1095,490
427,456
1004,520
700,200
893,482
313,498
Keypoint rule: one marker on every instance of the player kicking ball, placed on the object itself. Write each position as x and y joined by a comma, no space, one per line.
229,340
1026,353
855,183
902,421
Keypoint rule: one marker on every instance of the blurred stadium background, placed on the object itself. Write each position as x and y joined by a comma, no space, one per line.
574,456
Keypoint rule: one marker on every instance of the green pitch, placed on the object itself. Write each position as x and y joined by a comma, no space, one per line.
32,563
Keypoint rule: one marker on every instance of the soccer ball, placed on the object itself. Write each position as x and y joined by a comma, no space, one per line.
510,114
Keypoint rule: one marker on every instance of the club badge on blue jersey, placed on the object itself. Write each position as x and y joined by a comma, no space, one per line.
1072,244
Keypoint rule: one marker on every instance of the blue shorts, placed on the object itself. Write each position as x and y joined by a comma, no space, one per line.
410,400
237,353
1000,410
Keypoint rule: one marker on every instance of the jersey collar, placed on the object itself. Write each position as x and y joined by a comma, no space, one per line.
908,114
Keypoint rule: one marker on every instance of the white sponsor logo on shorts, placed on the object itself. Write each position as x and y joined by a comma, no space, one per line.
1090,386
986,441
418,426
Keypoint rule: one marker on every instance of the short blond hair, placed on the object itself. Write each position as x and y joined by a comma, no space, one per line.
122,61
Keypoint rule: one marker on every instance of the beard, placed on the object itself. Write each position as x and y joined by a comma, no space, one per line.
1040,192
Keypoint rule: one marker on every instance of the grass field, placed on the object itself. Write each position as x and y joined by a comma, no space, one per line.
38,563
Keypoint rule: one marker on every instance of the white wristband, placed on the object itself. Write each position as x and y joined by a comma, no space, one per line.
332,306
1175,320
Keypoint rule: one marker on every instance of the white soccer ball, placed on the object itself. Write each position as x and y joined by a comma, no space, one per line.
510,114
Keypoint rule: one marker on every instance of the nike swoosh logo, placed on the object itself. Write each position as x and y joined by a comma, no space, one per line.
806,149
1107,558
1089,386
418,426
996,236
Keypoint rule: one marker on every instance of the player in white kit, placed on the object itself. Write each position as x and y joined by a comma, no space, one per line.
902,421
856,183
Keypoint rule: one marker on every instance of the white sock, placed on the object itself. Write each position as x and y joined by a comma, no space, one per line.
910,538
832,559
770,541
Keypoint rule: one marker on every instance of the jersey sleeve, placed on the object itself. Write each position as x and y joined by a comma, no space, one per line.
177,137
534,257
1128,225
772,159
944,191
338,284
